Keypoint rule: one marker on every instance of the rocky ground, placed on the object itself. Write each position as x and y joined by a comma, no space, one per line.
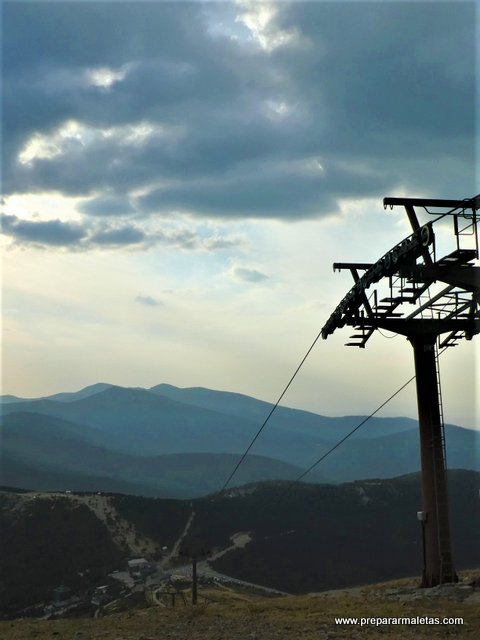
223,614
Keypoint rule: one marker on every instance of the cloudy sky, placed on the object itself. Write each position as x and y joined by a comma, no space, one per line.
178,179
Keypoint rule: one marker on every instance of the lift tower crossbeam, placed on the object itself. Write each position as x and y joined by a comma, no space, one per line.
416,277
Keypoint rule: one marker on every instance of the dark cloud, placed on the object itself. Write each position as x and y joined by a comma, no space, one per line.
68,234
381,94
89,234
51,232
108,206
391,73
286,190
127,235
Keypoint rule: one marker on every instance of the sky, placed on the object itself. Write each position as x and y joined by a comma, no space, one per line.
178,179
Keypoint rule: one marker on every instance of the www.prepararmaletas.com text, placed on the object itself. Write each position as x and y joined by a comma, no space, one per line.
377,621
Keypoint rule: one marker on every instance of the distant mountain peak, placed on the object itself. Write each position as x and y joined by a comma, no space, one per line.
98,386
163,385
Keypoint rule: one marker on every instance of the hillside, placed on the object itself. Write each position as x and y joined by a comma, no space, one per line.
47,542
308,537
296,537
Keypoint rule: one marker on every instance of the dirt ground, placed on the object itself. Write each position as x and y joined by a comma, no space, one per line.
228,615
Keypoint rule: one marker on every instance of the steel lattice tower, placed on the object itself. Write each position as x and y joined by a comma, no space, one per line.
445,294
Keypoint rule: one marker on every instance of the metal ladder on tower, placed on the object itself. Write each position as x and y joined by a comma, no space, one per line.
441,489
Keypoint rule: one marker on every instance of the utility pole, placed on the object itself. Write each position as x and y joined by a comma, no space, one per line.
194,550
194,580
446,295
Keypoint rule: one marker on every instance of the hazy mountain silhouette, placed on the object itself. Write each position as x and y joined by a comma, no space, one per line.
91,390
166,420
48,453
304,422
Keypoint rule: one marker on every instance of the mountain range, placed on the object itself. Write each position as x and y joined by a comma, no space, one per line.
173,442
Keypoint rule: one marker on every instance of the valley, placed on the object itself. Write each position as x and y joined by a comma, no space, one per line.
287,537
